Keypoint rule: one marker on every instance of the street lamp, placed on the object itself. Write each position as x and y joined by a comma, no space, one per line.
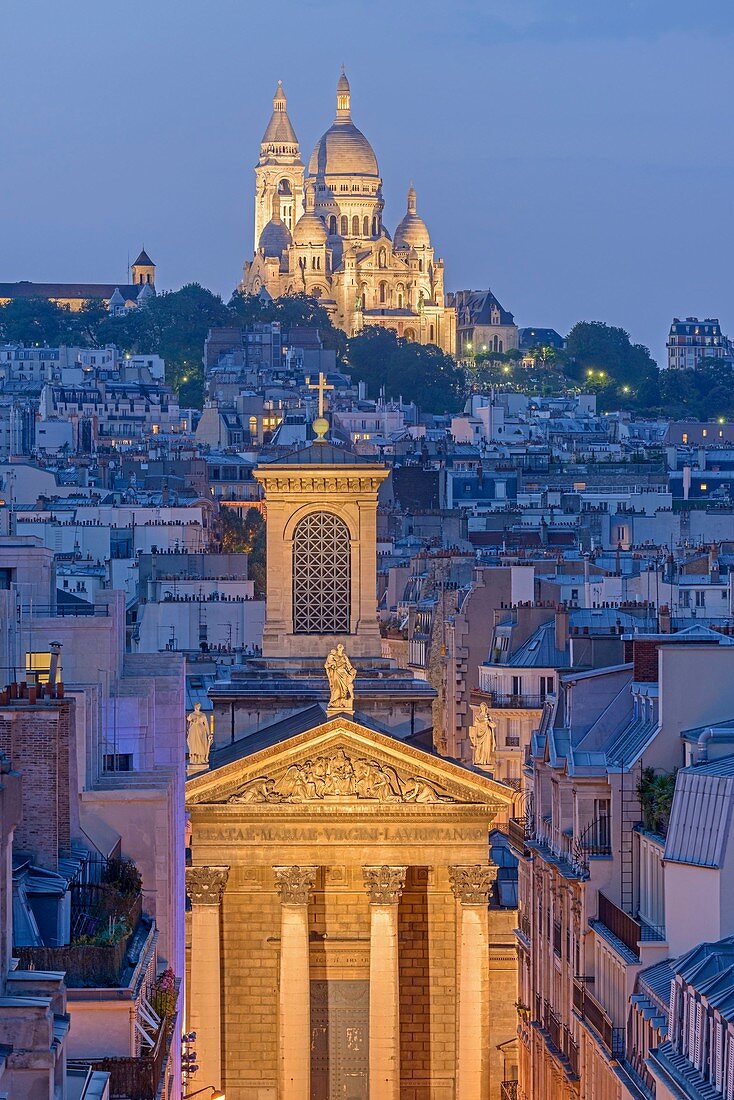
216,1094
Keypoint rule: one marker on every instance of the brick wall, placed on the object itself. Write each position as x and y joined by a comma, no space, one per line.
39,740
645,658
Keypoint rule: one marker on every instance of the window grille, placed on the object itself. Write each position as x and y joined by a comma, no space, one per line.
321,575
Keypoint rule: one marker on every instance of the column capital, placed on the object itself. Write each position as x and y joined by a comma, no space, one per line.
384,884
294,884
472,884
205,885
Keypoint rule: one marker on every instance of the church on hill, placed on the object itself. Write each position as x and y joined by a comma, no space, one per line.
118,298
350,929
319,231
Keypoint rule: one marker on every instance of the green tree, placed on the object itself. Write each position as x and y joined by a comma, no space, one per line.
36,321
238,535
173,325
418,372
598,347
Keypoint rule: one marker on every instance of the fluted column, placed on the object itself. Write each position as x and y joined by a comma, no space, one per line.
385,885
471,886
294,884
205,886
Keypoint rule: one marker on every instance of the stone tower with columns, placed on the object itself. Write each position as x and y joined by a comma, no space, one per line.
279,171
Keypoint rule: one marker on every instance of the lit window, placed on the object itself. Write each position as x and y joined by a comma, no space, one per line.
704,486
39,664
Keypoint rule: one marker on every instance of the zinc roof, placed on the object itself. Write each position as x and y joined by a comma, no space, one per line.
701,816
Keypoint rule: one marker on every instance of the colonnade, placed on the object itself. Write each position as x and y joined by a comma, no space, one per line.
384,883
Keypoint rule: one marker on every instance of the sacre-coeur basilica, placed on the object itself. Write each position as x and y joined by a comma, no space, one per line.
319,231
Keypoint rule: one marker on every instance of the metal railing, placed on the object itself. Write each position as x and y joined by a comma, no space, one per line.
516,833
520,701
589,1009
137,1078
66,611
630,930
509,1090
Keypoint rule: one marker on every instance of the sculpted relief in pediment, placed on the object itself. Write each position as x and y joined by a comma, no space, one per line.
337,775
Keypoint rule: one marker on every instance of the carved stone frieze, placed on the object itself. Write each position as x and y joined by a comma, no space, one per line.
205,885
339,775
319,484
472,884
294,884
384,884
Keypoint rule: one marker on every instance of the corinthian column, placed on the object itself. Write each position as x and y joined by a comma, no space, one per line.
471,886
385,885
205,886
294,884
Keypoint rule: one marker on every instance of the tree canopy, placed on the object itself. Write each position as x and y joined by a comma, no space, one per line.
418,372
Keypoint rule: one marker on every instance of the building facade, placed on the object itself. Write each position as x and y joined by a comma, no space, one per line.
319,231
691,340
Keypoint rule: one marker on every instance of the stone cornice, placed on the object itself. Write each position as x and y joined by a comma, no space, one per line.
300,482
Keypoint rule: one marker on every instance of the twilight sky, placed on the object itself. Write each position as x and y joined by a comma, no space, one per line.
574,155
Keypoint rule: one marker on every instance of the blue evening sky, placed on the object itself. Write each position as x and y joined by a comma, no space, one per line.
574,155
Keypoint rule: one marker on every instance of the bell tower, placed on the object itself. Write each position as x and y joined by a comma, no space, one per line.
279,171
321,552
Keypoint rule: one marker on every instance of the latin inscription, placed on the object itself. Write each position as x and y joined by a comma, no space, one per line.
379,833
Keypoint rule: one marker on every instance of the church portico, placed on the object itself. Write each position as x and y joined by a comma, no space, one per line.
354,948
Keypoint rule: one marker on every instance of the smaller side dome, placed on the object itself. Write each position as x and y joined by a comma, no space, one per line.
275,237
412,231
309,229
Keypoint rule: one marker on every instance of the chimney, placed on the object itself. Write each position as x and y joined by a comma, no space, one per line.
561,628
53,671
664,619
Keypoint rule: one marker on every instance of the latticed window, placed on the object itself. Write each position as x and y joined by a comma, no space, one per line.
321,575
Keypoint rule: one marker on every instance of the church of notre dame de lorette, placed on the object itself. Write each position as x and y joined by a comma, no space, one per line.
345,937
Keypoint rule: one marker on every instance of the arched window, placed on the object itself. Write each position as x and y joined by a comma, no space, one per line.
366,226
321,575
431,333
400,301
332,225
409,334
345,225
383,292
501,347
284,187
374,227
355,226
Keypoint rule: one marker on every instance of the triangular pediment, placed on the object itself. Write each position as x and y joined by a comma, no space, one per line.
342,761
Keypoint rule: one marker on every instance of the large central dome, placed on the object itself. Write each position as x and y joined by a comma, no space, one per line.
343,150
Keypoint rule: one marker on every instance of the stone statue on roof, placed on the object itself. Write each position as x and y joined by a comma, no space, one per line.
341,675
483,737
198,736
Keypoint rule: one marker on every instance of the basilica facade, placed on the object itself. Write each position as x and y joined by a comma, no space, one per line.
319,231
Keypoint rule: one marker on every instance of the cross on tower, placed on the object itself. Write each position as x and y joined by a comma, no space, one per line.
322,387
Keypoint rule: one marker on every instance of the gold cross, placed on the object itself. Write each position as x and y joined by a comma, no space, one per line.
322,387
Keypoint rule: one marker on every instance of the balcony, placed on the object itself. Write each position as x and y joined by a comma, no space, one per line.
510,1090
516,832
498,701
592,1013
631,931
104,918
138,1078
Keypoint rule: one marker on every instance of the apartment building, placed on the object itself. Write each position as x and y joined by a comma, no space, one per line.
615,879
